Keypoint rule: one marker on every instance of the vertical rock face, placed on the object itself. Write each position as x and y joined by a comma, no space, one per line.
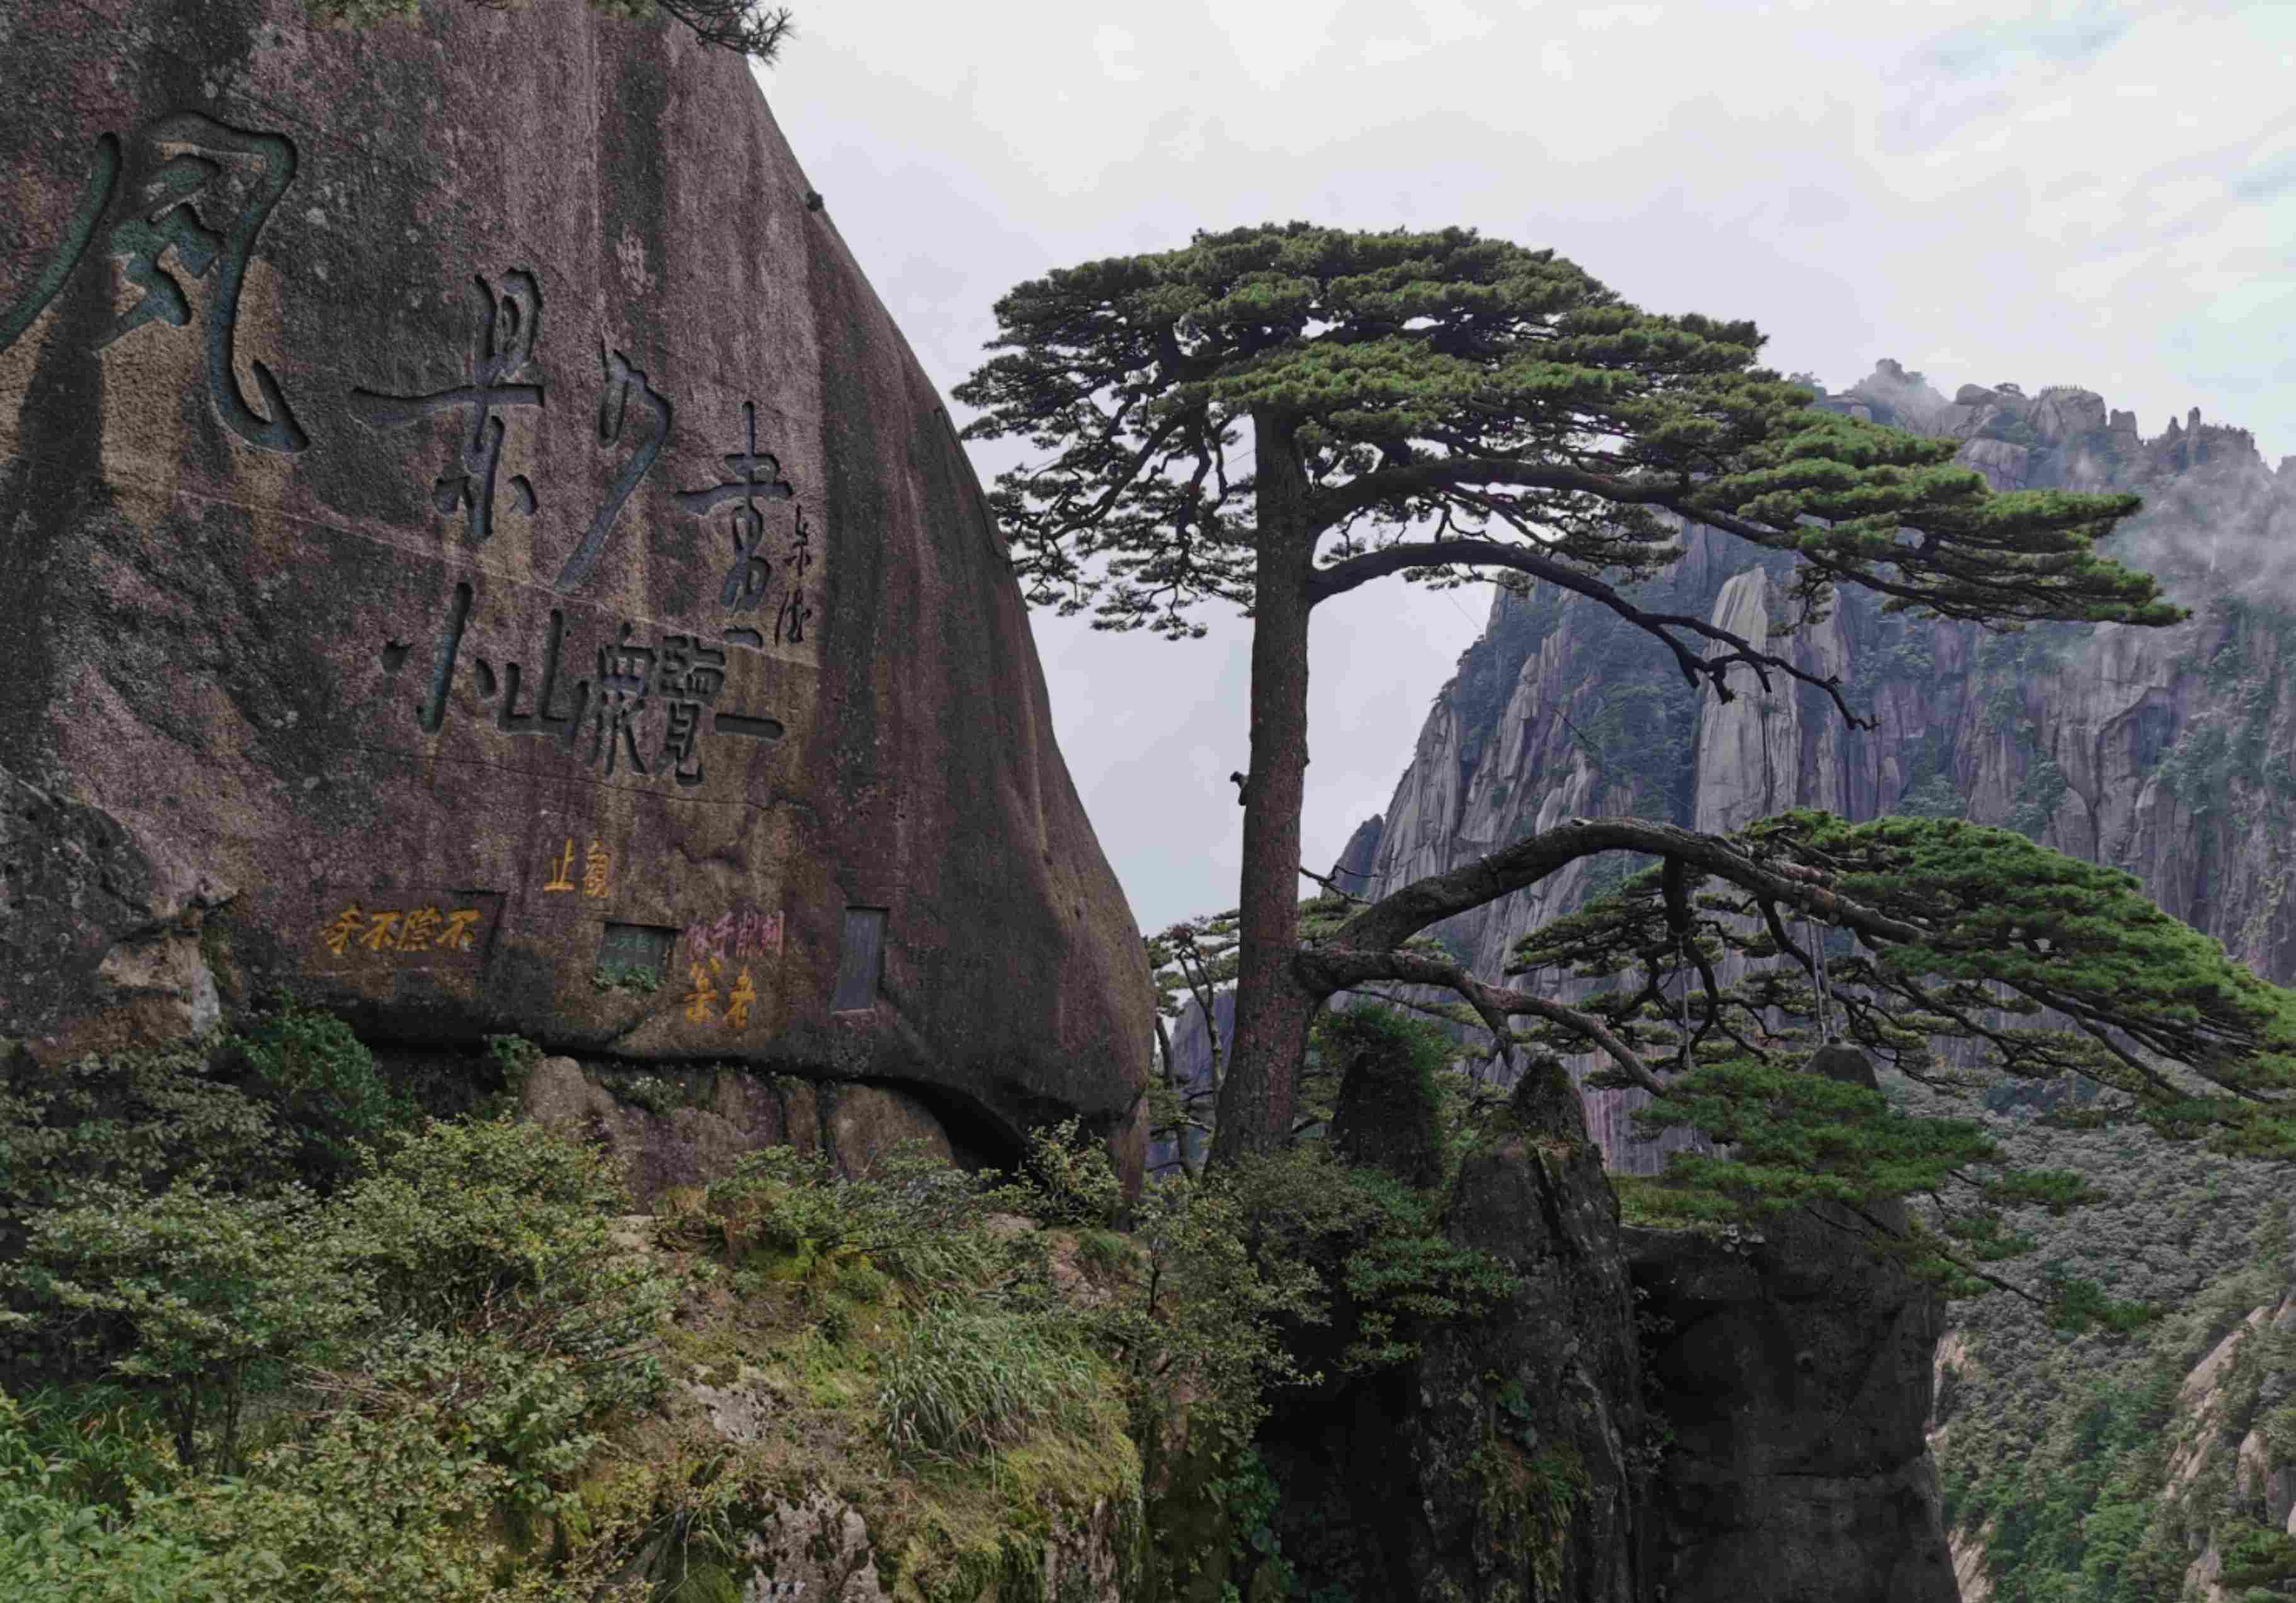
1520,1430
2166,752
472,533
1502,1465
1795,1373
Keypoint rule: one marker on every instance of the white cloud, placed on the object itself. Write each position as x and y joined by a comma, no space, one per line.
1114,46
1276,43
1594,19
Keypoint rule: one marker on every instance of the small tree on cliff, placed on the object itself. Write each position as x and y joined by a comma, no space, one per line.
1275,416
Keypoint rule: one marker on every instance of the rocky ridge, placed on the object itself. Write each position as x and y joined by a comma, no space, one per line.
2161,751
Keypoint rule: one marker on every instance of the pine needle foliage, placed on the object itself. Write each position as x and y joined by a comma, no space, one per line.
2042,964
1449,384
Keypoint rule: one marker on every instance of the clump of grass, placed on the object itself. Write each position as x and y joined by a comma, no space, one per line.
1104,1255
973,1380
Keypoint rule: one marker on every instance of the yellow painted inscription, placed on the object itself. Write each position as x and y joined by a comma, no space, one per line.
597,870
388,930
704,995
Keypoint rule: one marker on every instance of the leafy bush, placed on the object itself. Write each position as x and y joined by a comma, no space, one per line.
1376,1246
182,1292
1198,1328
325,1084
56,1547
1067,1179
368,1511
135,1120
467,1216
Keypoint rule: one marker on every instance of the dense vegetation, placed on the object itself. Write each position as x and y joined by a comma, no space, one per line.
276,1330
2055,1452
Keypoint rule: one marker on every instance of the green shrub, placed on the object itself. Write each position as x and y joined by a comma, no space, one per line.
2256,1556
1198,1324
369,1510
532,1415
1104,1255
134,1120
505,1231
179,1294
325,1084
1371,1240
99,1442
464,1215
514,1058
1067,1179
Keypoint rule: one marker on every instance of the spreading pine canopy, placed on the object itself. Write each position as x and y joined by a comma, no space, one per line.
1447,398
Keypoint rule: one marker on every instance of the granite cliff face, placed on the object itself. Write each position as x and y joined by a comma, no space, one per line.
2161,751
479,552
1794,1370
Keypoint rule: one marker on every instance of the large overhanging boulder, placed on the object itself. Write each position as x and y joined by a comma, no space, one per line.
478,552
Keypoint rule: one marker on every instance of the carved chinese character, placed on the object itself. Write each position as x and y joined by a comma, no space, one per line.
380,930
421,927
623,383
342,927
203,211
456,935
756,478
625,676
745,724
502,348
562,876
789,621
703,996
743,997
540,720
595,867
689,675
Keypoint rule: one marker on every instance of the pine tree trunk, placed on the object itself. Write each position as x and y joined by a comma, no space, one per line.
1272,1008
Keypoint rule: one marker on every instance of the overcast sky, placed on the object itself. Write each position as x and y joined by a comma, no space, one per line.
2099,194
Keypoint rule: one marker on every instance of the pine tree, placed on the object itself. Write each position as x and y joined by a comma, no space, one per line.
1277,415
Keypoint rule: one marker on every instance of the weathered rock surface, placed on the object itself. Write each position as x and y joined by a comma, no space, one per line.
470,525
821,1548
1500,1466
668,1145
2161,751
1795,1373
1520,1429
